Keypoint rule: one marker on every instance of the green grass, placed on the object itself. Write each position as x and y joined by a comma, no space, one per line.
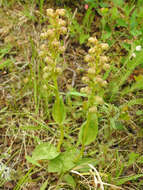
50,136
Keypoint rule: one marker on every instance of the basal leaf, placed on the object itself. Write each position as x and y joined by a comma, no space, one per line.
64,162
70,180
45,151
30,160
59,112
89,129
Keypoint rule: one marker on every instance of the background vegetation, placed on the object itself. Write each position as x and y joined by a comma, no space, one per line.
71,101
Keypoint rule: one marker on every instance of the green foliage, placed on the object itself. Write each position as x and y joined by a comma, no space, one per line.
43,151
89,129
81,31
64,162
59,111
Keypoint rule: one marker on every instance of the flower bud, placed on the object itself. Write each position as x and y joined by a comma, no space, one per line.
50,32
92,40
103,59
138,48
43,35
62,22
63,30
92,50
106,66
25,80
56,43
62,49
93,109
85,79
98,79
104,83
45,75
98,100
58,70
60,12
88,58
45,87
50,12
104,46
45,69
85,90
43,47
48,60
91,71
41,54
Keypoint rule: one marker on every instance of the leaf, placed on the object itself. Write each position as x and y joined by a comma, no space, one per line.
30,160
64,162
70,180
132,158
59,112
44,185
75,93
89,129
121,22
126,179
45,151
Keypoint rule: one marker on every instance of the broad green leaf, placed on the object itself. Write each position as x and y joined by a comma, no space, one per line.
70,180
30,160
126,179
89,129
45,151
64,162
44,185
59,112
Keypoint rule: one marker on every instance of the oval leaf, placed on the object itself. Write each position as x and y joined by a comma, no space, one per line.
89,129
45,151
59,112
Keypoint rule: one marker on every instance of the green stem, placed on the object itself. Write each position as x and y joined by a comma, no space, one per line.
61,138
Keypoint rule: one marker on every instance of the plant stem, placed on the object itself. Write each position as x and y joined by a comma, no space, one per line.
61,137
